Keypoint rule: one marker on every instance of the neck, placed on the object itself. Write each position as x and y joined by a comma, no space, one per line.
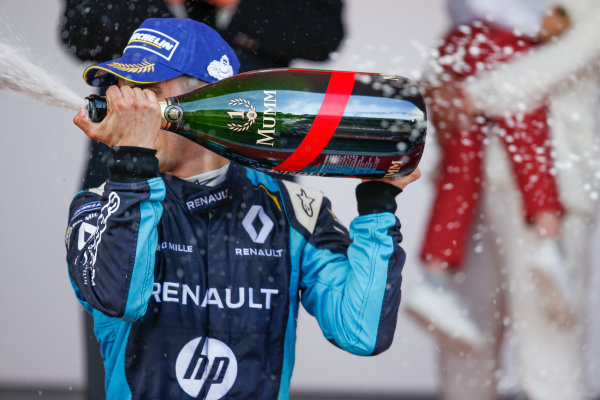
198,160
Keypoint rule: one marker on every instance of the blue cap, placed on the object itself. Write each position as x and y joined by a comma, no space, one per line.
164,48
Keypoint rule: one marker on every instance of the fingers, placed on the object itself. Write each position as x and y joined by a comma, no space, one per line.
140,95
151,96
129,99
82,121
133,118
402,181
152,102
123,98
114,97
415,175
98,131
142,99
91,129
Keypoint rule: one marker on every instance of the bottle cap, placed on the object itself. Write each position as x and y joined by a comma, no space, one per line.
97,107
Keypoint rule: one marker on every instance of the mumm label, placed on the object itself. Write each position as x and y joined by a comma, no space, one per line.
267,132
394,168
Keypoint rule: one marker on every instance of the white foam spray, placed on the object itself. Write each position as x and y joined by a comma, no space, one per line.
19,73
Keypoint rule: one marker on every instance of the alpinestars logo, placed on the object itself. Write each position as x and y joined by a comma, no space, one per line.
307,202
206,367
257,211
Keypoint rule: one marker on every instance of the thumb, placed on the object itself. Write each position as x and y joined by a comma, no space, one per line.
82,121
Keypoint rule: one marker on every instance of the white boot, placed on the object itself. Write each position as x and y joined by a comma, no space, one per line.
434,305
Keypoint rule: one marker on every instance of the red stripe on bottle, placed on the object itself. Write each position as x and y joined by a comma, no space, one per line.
326,122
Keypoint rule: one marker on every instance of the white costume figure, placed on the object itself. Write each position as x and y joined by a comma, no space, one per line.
498,286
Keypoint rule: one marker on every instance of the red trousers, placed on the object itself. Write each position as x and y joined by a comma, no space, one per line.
525,137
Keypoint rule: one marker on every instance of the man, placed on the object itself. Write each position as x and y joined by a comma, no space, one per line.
194,274
263,33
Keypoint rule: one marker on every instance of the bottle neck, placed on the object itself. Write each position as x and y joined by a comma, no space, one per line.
170,113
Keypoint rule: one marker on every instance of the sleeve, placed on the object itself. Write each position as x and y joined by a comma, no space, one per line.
351,281
309,29
112,236
526,81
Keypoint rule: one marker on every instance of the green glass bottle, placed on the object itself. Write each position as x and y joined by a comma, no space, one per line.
296,121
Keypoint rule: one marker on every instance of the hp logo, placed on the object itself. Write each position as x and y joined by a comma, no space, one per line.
206,366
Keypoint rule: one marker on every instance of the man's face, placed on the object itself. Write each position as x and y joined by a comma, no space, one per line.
172,149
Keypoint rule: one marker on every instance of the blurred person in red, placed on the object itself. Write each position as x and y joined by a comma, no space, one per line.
565,73
483,36
499,288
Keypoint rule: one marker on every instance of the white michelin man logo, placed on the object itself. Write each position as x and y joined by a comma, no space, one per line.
220,69
205,365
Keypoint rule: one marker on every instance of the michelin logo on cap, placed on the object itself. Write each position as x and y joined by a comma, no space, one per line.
153,41
220,69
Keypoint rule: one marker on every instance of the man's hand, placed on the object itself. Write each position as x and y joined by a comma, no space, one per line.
555,23
133,118
402,181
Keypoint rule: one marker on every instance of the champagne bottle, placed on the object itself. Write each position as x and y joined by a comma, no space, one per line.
296,121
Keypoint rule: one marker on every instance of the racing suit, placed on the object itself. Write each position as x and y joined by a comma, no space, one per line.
194,290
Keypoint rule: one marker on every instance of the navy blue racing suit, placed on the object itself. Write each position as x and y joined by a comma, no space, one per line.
195,290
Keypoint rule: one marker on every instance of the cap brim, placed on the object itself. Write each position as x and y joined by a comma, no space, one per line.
131,69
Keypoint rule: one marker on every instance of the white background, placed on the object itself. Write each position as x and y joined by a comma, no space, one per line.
42,158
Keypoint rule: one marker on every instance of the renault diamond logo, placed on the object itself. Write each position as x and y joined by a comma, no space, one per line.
248,224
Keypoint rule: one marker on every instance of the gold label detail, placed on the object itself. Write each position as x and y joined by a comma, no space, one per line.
395,167
173,114
249,114
134,68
